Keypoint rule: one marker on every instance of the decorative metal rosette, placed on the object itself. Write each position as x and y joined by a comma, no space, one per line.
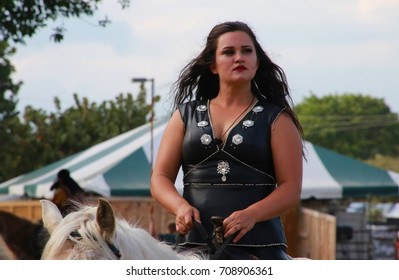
223,168
202,108
206,139
257,109
202,123
237,139
248,123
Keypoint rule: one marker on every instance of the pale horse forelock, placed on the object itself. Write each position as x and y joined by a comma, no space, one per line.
133,242
90,245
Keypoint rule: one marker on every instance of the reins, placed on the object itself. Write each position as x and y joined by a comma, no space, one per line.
216,243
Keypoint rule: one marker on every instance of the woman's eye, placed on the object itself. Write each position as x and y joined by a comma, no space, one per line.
228,52
247,50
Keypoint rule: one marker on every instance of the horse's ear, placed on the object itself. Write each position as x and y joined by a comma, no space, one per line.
105,218
51,215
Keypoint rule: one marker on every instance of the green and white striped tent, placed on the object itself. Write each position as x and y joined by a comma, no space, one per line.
121,167
329,175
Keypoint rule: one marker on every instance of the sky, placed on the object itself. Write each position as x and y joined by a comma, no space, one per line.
324,47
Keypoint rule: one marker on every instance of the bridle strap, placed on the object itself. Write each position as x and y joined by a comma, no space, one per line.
114,250
111,246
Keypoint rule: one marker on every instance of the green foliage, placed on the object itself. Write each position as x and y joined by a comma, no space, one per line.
374,210
356,125
11,130
40,138
8,89
385,162
43,138
22,18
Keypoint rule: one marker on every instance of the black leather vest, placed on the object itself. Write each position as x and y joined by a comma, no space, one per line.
219,180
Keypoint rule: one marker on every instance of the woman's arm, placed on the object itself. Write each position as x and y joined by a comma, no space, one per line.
164,174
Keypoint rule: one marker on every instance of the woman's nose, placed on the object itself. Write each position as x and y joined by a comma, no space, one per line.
238,58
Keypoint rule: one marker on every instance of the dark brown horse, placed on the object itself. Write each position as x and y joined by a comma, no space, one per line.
5,252
23,237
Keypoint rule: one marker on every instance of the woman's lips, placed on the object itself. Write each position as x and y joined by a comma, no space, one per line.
240,68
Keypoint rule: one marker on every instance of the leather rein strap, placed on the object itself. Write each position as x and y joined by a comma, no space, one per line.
215,252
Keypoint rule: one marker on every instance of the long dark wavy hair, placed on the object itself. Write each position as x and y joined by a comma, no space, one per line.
196,81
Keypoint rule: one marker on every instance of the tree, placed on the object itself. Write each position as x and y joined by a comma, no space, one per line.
385,162
11,129
8,88
51,137
22,18
353,124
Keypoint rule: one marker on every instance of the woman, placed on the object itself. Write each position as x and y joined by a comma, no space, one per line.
238,141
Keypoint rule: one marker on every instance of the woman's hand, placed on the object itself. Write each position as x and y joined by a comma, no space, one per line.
184,218
239,222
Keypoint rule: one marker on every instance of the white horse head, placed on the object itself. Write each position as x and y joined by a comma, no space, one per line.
93,233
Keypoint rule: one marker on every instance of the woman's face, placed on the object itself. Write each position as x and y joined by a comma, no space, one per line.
235,59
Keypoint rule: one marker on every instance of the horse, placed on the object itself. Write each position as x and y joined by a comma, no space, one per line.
5,251
93,232
24,238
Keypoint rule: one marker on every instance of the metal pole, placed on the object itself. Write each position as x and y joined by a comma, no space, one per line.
152,116
152,124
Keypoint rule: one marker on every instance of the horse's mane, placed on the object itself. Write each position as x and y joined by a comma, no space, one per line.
133,242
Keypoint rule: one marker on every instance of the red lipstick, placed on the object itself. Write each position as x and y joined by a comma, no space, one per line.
240,68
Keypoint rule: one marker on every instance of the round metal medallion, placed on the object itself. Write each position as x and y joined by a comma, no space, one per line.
206,139
237,139
257,109
201,108
248,123
202,124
